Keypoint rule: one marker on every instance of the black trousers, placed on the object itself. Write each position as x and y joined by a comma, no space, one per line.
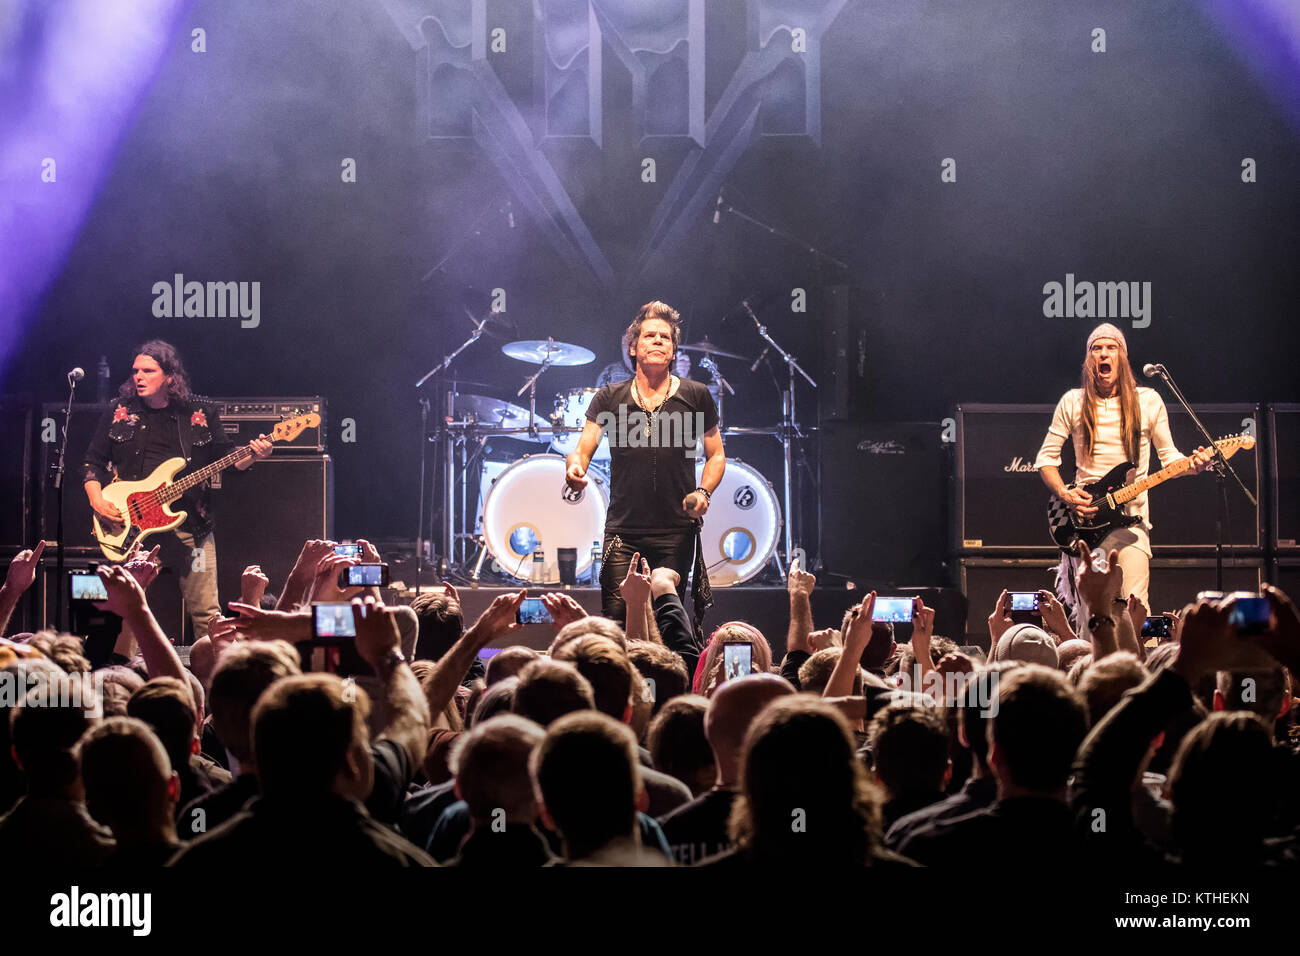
663,549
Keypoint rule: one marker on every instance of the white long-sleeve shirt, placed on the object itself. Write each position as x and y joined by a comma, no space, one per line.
1108,449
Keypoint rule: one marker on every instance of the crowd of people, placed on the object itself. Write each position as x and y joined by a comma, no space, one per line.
630,743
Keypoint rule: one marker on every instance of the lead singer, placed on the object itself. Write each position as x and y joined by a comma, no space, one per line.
654,420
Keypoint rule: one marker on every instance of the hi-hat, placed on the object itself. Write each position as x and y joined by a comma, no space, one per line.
710,349
539,351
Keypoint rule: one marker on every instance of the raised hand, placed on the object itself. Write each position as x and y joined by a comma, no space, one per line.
1137,613
325,585
1000,619
922,631
563,610
252,584
256,624
1054,617
22,569
377,630
125,596
635,587
1099,589
800,583
500,617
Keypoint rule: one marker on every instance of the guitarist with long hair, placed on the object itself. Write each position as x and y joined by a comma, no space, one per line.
1111,420
155,418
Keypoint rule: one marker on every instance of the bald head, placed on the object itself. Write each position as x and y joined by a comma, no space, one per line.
732,709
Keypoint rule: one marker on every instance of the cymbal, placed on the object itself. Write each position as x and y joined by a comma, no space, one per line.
538,351
490,411
709,348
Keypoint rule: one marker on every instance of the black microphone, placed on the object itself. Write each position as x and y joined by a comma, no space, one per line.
1153,371
761,355
76,375
717,209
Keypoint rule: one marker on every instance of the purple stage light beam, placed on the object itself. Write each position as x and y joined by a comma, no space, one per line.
71,76
1266,34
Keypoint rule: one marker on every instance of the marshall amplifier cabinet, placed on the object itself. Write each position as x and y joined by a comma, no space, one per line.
1183,510
1001,503
1284,469
245,418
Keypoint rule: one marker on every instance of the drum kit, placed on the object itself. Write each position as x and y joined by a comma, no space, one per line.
525,512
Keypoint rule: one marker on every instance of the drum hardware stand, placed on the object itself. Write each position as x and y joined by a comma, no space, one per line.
478,561
1221,471
530,387
59,470
789,425
711,367
447,441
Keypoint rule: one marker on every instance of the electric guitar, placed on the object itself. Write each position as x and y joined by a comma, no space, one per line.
146,504
1110,493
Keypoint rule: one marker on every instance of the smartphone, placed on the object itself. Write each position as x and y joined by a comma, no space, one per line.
1159,627
736,660
1250,613
364,576
86,586
895,609
532,611
348,550
1023,600
332,622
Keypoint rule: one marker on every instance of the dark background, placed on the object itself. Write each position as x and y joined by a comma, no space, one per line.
1123,165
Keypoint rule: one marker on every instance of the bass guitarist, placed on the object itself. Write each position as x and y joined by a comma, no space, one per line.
154,418
1111,420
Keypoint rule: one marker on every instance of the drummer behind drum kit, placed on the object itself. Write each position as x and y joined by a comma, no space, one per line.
526,511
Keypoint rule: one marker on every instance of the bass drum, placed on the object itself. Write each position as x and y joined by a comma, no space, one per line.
571,412
530,506
741,527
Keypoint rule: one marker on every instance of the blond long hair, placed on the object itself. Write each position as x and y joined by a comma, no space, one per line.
1130,410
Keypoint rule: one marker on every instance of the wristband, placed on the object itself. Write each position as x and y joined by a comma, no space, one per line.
1097,620
707,497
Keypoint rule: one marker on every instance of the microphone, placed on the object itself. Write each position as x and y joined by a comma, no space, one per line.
761,355
1153,371
717,209
76,375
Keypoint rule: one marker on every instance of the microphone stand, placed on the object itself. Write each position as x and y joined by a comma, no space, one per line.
773,230
449,504
1221,471
789,423
59,471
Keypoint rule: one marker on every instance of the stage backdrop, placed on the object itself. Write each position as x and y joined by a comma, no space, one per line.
984,181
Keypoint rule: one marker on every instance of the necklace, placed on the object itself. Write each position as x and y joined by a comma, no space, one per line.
651,413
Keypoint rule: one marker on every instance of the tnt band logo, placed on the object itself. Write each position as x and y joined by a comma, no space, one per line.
744,497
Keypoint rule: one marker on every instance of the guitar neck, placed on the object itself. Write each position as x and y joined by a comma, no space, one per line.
182,485
1129,492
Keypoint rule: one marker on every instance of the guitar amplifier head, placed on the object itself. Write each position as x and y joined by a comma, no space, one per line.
243,419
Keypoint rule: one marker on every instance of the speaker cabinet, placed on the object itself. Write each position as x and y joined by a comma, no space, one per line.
1183,511
263,516
77,531
1284,467
1286,576
1174,583
884,496
164,593
15,472
1001,503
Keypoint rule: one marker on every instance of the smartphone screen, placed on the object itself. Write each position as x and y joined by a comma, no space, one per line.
895,609
332,621
736,660
348,550
1024,600
1160,626
1250,615
533,611
86,586
364,576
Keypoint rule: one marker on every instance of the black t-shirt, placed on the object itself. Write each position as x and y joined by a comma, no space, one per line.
651,469
698,830
162,436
